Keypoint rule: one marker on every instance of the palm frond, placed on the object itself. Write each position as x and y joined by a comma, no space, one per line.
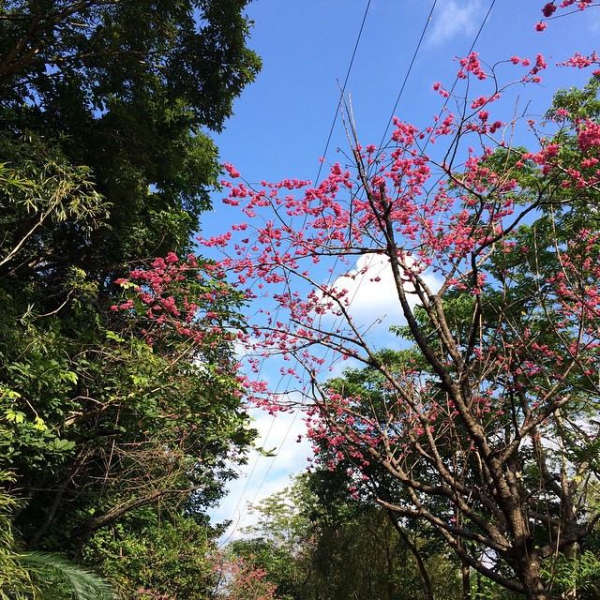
83,584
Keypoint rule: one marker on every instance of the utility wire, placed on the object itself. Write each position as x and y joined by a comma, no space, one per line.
244,510
398,97
270,467
331,130
408,72
336,115
329,137
456,78
343,91
241,497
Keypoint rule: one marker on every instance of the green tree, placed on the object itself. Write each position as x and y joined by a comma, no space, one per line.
28,576
174,556
124,89
105,411
314,541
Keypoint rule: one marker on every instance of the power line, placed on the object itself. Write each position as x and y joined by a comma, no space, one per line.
337,111
398,97
248,479
336,114
270,467
408,72
456,78
329,137
343,90
280,446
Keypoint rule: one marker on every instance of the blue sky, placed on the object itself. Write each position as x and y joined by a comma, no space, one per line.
282,121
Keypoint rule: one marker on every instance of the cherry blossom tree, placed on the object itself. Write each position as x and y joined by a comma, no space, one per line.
484,420
241,580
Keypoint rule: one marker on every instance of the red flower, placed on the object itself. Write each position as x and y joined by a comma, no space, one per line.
549,9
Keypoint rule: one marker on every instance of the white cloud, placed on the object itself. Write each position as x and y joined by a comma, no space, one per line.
371,292
454,18
373,301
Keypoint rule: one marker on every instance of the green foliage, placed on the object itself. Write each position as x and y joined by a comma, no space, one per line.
118,430
15,579
58,578
314,541
580,574
32,575
126,89
173,556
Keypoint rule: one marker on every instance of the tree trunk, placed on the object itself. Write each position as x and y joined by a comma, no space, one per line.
532,579
465,572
